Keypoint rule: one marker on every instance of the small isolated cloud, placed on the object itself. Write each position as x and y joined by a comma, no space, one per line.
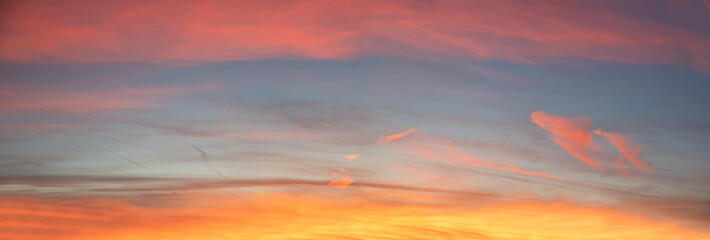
341,183
397,136
352,157
627,147
572,134
342,170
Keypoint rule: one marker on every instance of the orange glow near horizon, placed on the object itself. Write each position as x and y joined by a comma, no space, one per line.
279,216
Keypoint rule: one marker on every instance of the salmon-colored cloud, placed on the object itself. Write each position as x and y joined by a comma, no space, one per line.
397,136
572,134
352,157
33,97
341,183
87,31
628,148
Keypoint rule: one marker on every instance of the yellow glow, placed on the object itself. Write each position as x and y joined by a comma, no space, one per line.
319,217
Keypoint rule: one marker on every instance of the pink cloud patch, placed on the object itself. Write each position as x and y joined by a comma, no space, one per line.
627,147
572,134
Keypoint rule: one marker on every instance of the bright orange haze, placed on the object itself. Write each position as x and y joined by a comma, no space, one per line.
286,216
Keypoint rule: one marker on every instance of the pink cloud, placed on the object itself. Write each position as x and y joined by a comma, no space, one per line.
352,157
197,30
72,31
397,136
628,148
572,134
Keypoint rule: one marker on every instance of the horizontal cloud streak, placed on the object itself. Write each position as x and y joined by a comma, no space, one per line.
73,31
397,136
443,150
341,183
23,97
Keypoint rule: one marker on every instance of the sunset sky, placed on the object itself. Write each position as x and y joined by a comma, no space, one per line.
340,119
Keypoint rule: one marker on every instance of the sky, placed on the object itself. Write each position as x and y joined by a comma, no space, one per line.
402,119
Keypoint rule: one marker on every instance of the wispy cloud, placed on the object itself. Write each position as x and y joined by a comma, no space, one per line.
205,159
444,150
621,167
223,30
397,136
24,97
572,134
341,183
352,157
627,147
129,160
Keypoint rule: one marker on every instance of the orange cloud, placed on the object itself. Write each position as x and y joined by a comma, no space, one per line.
341,183
397,136
627,146
342,170
572,134
30,97
313,216
352,157
73,31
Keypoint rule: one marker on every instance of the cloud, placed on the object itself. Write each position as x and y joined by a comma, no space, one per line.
621,167
316,29
24,97
444,150
341,183
628,148
572,134
206,159
397,136
195,31
129,160
352,157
